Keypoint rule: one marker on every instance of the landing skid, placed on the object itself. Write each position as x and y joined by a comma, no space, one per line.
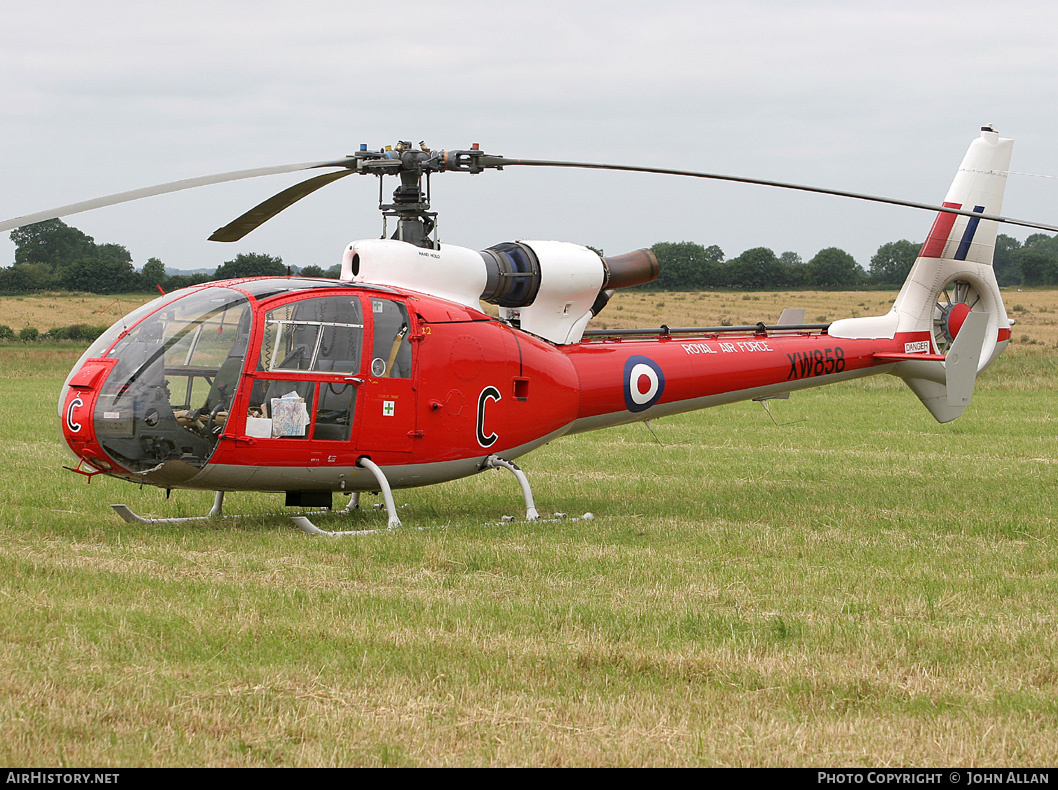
492,462
303,523
129,515
216,511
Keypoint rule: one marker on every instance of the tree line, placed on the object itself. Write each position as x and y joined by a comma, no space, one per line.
52,255
689,266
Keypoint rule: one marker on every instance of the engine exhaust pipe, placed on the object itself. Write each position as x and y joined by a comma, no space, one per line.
632,268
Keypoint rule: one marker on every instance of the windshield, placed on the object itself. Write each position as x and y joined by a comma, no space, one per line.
169,394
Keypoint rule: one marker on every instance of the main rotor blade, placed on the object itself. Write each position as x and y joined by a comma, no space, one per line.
267,209
161,189
499,161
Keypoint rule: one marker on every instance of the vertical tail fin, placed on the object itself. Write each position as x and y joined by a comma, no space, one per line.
952,279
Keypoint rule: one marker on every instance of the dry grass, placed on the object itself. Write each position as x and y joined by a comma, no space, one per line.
1036,311
713,308
48,311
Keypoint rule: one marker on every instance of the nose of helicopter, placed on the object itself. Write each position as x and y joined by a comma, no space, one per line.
116,418
128,407
76,413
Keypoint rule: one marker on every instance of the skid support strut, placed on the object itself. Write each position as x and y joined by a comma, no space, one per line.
305,525
495,462
354,503
383,484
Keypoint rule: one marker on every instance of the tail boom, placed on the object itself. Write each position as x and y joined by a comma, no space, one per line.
629,379
948,324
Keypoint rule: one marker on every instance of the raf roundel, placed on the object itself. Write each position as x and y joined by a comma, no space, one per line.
644,383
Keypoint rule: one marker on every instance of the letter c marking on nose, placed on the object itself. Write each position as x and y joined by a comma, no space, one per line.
73,426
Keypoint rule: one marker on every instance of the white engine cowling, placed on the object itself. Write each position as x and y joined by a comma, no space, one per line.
547,288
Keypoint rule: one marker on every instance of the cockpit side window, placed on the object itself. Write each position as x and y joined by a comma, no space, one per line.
322,334
391,353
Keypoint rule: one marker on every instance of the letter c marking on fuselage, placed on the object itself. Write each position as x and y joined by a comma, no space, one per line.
487,394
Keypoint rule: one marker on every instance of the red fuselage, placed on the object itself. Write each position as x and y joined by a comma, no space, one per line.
299,379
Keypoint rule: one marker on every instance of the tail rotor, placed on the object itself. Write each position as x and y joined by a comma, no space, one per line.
954,303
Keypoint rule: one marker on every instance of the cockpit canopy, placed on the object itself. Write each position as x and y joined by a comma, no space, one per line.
177,363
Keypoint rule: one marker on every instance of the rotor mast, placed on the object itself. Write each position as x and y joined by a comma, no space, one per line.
416,224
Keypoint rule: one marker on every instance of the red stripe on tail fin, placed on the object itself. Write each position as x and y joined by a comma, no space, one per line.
938,234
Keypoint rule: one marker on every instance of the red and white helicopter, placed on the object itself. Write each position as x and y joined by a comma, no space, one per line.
394,377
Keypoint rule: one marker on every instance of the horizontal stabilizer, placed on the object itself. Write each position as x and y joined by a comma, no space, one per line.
894,356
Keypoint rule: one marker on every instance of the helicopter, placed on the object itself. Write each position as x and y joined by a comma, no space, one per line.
394,376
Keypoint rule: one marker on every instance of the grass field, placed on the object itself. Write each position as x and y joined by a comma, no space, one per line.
849,584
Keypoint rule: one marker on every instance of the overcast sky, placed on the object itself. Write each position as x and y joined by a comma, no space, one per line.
881,98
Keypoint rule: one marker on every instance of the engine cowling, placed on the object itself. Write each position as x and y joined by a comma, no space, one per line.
547,288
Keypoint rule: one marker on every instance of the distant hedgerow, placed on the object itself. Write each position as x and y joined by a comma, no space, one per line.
75,332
